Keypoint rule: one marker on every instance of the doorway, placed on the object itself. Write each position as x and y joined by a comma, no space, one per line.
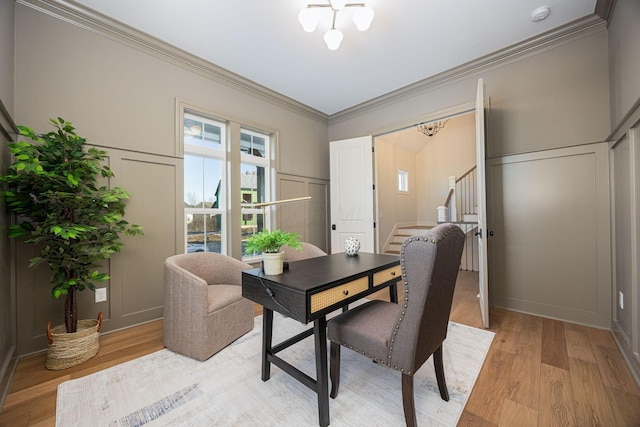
351,174
428,162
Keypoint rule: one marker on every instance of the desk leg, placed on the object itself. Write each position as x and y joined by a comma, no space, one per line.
267,338
393,292
322,375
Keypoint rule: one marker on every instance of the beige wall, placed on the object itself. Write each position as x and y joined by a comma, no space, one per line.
7,286
624,39
451,152
123,96
394,208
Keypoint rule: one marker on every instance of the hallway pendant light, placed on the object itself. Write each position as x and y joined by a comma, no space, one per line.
309,18
431,129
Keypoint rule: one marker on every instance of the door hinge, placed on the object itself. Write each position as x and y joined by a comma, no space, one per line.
374,187
374,224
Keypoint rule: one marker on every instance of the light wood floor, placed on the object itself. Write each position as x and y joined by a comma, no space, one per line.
538,372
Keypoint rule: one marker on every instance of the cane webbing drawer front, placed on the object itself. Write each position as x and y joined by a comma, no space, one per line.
331,296
385,275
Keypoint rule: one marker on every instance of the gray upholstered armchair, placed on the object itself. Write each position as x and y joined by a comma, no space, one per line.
204,310
403,336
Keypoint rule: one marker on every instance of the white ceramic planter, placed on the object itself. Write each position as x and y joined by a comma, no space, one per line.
272,263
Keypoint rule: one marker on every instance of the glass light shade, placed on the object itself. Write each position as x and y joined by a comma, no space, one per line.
338,4
362,17
308,18
333,38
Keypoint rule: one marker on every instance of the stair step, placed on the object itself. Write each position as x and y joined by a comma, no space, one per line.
392,252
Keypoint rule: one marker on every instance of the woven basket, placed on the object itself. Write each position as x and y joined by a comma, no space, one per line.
71,349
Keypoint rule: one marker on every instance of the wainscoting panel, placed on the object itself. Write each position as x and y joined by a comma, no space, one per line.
550,253
137,288
308,218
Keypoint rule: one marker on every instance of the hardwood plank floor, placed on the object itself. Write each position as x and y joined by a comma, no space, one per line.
539,372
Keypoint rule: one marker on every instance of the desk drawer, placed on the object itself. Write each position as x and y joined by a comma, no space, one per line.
385,275
332,296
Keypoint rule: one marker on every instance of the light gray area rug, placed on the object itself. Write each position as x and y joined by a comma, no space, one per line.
165,388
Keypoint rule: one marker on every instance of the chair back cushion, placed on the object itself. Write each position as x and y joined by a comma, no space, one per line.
430,264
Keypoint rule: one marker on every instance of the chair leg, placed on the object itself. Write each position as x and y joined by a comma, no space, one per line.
334,369
437,364
408,401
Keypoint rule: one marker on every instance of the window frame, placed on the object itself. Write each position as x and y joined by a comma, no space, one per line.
208,153
231,227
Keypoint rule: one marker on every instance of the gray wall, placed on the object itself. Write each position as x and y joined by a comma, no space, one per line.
624,58
7,286
124,96
624,39
552,96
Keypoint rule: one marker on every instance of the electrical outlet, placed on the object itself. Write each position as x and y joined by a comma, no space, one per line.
101,294
621,300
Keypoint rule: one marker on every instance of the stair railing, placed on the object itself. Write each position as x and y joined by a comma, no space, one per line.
466,193
462,200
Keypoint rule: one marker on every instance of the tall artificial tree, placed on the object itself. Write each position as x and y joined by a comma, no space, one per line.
53,188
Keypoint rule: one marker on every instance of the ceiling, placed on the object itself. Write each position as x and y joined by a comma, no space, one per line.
409,40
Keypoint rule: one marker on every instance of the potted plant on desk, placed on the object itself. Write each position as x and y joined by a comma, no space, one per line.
269,243
52,187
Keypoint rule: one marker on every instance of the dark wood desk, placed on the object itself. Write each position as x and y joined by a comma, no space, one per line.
307,292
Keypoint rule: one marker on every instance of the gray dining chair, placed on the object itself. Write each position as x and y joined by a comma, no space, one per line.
308,251
403,336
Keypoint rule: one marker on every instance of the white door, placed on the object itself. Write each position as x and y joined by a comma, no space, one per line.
352,193
483,277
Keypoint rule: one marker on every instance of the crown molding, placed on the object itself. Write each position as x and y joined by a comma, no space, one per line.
90,20
529,47
604,9
76,14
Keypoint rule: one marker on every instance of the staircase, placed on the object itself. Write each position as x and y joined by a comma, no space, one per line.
401,234
460,208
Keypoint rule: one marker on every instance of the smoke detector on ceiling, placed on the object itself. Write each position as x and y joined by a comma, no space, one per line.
540,13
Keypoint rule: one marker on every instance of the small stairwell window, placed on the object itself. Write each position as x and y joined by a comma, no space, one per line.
403,181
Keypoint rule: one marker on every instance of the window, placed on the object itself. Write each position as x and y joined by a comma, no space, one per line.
208,196
254,180
403,181
204,184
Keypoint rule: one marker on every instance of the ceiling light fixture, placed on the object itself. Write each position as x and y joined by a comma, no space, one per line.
431,129
309,18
